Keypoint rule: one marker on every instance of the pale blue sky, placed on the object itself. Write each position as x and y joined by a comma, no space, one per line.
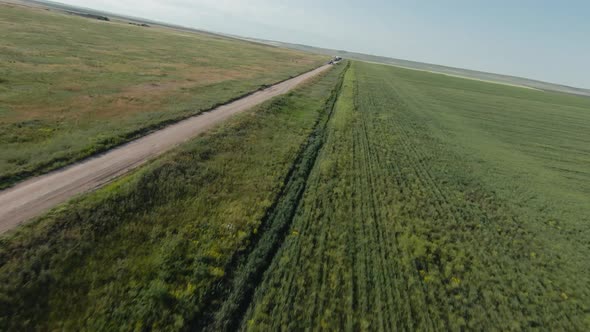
539,39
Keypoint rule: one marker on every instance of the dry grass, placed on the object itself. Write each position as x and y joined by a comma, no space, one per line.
93,84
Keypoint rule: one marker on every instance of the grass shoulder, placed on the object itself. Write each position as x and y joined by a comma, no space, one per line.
144,251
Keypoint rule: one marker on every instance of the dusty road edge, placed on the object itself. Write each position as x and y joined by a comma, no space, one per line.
11,180
37,195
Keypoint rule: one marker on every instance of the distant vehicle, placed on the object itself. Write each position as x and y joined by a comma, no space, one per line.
335,60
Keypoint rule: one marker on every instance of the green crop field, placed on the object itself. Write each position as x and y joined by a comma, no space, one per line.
373,198
436,204
71,87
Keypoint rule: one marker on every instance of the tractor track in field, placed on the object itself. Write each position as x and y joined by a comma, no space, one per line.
35,196
228,304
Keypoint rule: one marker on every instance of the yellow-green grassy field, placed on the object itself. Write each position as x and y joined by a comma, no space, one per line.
71,86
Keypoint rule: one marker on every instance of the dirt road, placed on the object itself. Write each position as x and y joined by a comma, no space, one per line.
37,195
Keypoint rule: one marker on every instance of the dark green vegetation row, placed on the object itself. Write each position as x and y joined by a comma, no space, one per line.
436,204
238,291
147,252
71,87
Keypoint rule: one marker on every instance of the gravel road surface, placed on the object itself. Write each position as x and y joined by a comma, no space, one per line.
37,195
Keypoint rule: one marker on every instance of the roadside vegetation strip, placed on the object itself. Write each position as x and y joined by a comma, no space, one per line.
144,252
289,266
89,85
240,287
398,229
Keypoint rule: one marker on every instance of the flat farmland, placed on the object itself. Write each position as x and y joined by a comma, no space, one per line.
372,198
71,86
438,203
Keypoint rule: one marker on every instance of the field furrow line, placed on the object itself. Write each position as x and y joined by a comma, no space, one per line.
383,241
249,274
